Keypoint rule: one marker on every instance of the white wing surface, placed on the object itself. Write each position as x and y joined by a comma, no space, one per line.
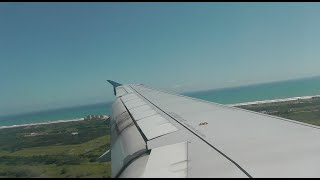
160,134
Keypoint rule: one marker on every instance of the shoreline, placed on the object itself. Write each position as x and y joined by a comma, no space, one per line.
273,100
42,123
231,105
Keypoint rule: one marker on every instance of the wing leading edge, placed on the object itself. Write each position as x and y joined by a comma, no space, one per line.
160,134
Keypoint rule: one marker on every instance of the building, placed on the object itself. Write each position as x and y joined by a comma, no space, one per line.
96,117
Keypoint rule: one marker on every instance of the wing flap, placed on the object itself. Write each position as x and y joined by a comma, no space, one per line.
155,126
126,141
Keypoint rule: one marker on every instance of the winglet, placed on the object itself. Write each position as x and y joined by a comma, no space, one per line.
114,84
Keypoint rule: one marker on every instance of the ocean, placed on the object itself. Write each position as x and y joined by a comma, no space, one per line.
257,92
56,114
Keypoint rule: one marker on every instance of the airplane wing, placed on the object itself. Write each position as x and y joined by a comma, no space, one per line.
161,134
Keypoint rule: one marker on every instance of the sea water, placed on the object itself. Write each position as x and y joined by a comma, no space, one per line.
258,92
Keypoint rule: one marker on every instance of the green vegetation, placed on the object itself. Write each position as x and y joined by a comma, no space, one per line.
69,149
303,110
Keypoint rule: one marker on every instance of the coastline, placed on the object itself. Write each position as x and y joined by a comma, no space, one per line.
274,100
231,105
42,123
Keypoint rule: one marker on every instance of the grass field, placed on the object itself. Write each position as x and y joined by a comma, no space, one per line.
68,149
97,170
71,149
304,110
76,149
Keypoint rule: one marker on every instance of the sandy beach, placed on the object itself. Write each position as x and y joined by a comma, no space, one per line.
274,100
49,122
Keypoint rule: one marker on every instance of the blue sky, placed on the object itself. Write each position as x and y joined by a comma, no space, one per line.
61,54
